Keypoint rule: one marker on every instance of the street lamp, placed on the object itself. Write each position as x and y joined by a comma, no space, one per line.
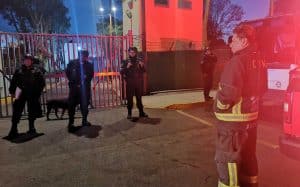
113,9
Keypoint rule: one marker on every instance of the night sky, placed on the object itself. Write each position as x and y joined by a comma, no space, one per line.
254,9
85,13
87,10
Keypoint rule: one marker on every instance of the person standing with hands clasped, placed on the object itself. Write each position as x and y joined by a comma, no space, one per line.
26,85
236,107
80,73
133,70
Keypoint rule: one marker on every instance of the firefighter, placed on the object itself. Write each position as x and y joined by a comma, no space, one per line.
236,107
80,73
133,70
208,67
26,85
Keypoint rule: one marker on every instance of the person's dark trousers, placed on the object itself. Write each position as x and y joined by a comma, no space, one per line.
129,97
82,97
73,101
134,88
31,126
84,104
39,111
236,154
138,90
18,107
208,82
34,110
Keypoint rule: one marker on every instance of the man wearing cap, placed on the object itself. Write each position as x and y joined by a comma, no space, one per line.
26,85
236,108
132,70
80,73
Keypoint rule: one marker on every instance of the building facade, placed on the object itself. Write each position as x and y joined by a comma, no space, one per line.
166,25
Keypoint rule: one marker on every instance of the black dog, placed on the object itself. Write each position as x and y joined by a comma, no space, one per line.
57,104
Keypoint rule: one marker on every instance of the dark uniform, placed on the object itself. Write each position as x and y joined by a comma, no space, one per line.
134,83
208,67
40,65
80,74
31,82
236,108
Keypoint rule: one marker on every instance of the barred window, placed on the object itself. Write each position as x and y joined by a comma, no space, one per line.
161,2
185,4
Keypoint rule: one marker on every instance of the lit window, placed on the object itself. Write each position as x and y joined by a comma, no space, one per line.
161,2
185,4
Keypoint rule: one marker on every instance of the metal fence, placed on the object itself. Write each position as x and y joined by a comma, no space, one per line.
56,51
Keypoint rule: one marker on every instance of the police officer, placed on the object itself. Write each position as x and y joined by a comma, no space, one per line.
242,82
26,85
208,67
80,73
133,70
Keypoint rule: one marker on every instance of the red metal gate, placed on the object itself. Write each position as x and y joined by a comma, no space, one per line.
56,51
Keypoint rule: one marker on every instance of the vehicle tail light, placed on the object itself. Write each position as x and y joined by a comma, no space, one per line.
287,108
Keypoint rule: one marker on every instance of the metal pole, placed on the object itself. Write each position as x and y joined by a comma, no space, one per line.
110,24
131,25
205,20
144,44
271,8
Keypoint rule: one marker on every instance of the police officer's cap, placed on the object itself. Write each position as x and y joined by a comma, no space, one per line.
133,49
83,53
28,56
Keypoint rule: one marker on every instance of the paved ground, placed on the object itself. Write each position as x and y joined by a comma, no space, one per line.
171,148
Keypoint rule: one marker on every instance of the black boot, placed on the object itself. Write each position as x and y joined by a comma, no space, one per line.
85,122
143,114
31,127
129,115
13,133
71,127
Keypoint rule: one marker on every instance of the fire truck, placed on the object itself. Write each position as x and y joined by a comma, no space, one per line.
278,40
279,43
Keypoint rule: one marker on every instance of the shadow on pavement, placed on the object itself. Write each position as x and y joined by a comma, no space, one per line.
56,119
150,121
119,126
23,137
61,119
272,113
88,131
207,105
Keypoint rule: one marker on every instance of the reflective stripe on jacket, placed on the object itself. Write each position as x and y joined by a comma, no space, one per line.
240,87
235,113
